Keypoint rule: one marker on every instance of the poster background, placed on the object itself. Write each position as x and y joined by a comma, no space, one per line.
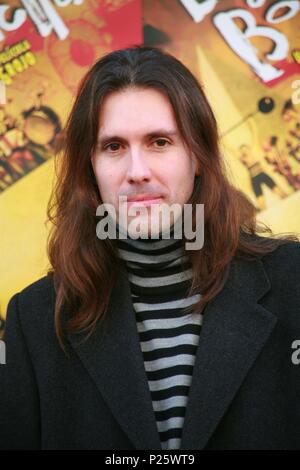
96,27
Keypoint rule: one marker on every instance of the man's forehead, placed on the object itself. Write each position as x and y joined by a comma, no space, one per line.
142,107
136,114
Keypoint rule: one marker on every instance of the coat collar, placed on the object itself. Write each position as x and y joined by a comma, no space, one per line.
234,330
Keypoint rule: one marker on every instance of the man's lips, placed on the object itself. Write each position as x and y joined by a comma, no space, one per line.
144,197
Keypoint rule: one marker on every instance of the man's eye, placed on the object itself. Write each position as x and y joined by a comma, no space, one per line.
113,147
161,142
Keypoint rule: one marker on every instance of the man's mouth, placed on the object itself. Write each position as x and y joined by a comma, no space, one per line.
144,199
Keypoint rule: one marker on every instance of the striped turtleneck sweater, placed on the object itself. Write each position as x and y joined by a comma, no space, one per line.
159,274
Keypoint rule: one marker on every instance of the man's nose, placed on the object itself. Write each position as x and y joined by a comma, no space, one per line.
138,167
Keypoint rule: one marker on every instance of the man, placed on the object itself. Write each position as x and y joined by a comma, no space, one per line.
136,342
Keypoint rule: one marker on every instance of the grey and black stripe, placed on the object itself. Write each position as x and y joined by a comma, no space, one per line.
159,273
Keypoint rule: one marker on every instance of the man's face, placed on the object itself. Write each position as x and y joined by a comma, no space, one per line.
140,153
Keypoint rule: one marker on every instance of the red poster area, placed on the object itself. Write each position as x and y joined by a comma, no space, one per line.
75,36
102,27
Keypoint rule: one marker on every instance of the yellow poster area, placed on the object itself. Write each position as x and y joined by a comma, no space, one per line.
24,233
23,204
286,214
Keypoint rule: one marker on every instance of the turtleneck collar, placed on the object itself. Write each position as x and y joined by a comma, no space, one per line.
153,254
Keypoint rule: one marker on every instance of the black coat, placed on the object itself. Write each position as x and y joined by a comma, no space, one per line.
245,391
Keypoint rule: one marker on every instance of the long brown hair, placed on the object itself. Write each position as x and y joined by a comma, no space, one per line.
82,264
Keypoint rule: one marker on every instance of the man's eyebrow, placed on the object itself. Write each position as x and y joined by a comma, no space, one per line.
160,132
102,139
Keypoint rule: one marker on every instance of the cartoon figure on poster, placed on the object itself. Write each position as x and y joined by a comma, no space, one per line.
27,140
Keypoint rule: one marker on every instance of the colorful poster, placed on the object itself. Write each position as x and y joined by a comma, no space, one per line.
246,54
46,46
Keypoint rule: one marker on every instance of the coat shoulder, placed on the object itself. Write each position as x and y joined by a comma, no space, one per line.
43,284
282,266
34,301
38,292
285,259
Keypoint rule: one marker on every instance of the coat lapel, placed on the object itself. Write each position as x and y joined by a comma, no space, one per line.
234,331
114,360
